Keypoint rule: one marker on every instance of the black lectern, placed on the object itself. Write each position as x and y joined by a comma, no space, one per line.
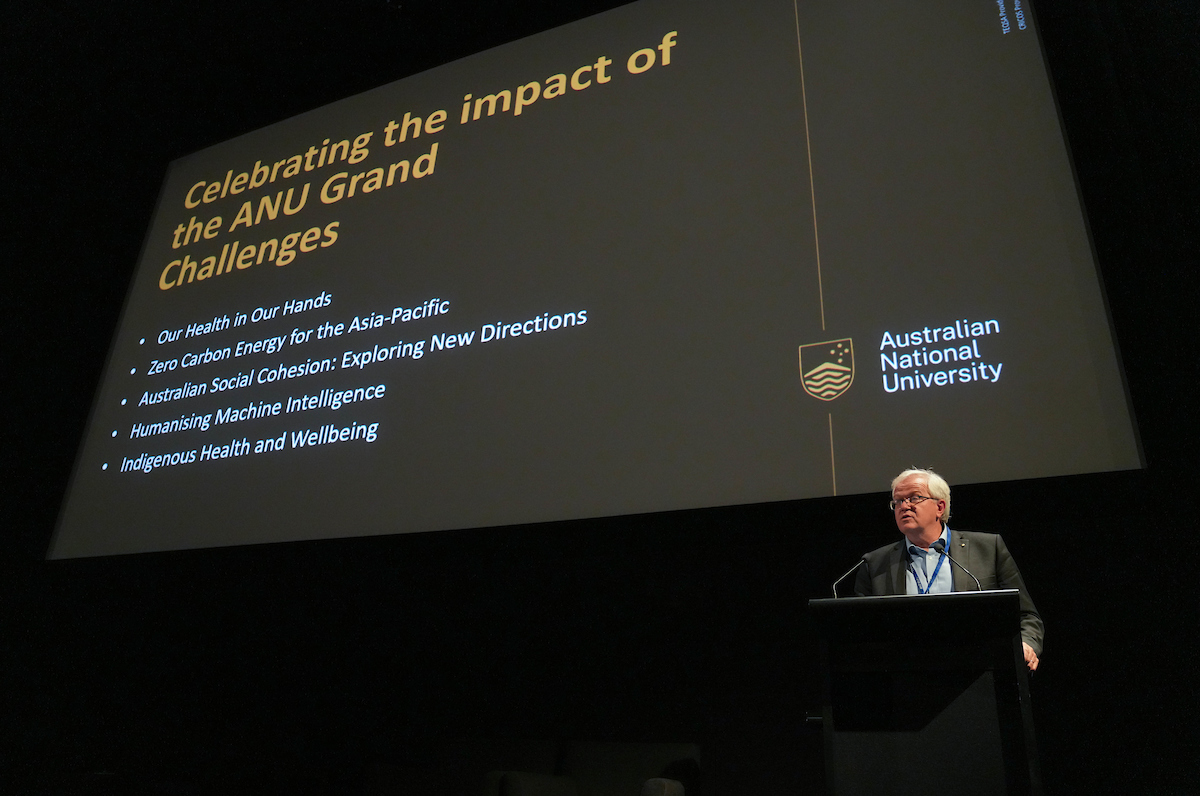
925,694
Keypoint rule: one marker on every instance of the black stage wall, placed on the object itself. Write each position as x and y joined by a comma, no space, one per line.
302,665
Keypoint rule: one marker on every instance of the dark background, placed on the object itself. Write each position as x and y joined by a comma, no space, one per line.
298,667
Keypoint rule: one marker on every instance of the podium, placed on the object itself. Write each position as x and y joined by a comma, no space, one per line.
925,694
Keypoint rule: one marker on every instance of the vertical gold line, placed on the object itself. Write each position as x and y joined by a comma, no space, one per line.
832,463
811,184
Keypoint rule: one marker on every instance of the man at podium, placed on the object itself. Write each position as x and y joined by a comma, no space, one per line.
933,559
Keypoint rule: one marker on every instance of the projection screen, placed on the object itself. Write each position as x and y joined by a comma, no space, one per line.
676,255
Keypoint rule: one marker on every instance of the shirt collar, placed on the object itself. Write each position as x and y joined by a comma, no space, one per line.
911,548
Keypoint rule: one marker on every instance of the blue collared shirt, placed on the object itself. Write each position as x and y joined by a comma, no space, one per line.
921,566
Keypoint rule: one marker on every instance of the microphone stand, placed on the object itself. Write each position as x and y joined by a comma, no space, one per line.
940,546
857,564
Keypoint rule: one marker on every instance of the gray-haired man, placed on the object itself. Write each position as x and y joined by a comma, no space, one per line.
918,564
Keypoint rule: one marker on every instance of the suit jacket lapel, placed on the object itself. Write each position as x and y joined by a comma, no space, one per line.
960,548
898,584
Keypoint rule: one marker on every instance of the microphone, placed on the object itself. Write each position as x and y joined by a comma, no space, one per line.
843,577
940,546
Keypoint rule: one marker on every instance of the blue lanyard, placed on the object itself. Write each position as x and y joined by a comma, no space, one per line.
932,578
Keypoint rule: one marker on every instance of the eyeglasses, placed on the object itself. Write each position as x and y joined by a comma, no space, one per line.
911,500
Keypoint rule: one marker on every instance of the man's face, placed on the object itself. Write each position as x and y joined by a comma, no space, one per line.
917,521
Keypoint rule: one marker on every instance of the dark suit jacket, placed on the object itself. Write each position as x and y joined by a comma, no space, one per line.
984,554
